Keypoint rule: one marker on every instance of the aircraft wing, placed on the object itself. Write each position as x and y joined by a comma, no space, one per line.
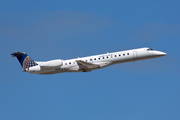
85,66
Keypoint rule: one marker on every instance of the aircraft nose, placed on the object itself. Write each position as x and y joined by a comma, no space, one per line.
159,53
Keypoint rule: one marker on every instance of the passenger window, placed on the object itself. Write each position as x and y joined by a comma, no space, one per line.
86,60
119,54
99,58
90,59
127,53
69,62
107,56
103,57
94,58
123,54
115,56
65,63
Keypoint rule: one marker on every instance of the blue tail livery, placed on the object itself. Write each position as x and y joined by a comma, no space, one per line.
25,61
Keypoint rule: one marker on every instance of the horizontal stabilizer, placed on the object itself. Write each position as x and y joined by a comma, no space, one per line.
15,54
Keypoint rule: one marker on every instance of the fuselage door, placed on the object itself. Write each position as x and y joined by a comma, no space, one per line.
135,54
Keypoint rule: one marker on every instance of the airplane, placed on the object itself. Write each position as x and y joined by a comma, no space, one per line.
84,64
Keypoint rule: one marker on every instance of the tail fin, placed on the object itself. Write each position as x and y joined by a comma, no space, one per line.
25,61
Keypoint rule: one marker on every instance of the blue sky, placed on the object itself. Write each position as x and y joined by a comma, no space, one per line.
142,90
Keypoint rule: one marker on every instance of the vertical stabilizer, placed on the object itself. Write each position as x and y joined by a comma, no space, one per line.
25,61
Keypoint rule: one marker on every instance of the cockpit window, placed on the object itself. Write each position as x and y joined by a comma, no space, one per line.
149,49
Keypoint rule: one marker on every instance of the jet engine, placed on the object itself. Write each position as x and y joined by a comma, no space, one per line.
52,64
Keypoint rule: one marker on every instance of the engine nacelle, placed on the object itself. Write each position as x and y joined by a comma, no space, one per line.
52,64
33,69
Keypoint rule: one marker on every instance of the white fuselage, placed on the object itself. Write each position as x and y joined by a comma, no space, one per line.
102,60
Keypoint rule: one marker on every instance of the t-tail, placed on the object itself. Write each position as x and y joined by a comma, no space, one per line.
25,61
